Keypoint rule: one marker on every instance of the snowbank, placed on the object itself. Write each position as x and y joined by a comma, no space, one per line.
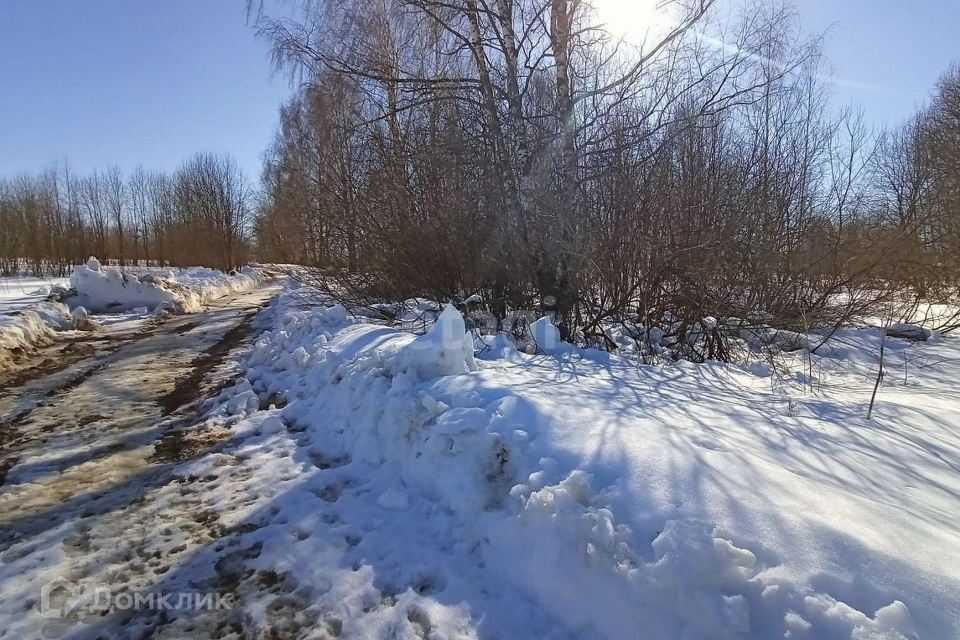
676,503
108,289
26,317
29,327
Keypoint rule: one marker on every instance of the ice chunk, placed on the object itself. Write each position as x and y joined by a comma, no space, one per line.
79,314
445,350
272,424
547,337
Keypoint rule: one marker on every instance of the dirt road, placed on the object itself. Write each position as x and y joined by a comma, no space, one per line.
86,438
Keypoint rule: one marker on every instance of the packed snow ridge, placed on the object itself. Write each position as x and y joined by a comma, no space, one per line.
611,500
102,289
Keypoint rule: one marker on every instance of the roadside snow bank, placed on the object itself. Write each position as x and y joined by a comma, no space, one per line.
108,289
104,289
512,452
31,325
569,549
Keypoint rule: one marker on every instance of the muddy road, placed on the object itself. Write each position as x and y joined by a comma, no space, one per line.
95,420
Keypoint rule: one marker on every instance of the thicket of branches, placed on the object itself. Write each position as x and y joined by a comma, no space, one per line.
512,148
199,215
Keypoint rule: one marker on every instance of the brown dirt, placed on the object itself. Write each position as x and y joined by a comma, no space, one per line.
67,355
180,445
190,388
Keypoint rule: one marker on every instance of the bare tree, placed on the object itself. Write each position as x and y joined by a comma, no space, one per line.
140,201
213,201
114,191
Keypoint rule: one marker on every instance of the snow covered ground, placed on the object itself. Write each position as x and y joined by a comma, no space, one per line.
690,501
23,291
368,483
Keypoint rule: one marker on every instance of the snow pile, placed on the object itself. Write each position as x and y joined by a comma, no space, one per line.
615,504
30,326
81,319
26,317
108,289
698,583
498,347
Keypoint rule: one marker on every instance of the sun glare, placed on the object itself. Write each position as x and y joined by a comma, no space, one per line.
631,20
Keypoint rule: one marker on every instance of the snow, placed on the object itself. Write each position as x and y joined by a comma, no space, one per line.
393,500
498,347
17,293
909,331
398,487
28,319
32,325
559,496
547,336
110,289
87,449
446,349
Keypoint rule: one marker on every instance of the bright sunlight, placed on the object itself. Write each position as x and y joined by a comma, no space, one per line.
632,20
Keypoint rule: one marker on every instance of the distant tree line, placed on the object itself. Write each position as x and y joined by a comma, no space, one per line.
198,215
513,148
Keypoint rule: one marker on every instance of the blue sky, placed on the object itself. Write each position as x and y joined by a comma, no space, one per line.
887,54
122,82
101,82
